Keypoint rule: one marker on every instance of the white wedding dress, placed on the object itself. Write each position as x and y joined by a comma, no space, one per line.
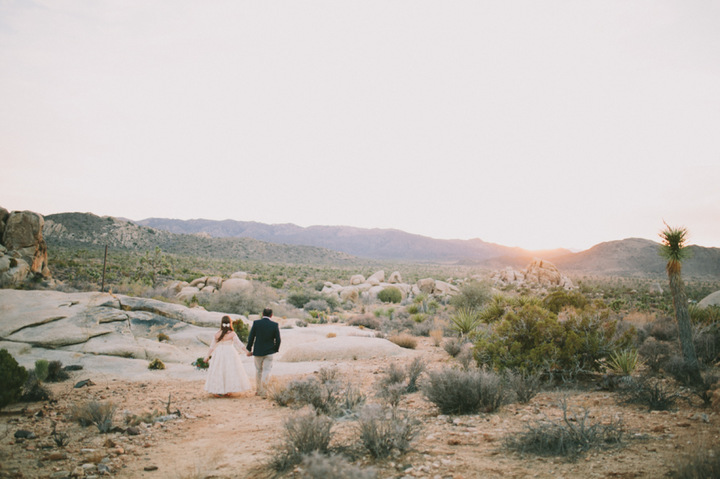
226,373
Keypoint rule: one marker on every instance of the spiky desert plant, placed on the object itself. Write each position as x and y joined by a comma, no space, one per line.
625,361
674,251
465,321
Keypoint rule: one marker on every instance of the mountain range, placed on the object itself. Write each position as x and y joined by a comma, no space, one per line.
345,244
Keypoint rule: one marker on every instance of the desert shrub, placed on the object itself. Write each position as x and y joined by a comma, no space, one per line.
33,389
465,321
300,299
317,305
663,329
393,374
557,300
495,310
304,434
568,438
465,357
522,385
706,338
414,370
530,338
472,296
457,391
365,320
423,327
404,340
707,315
163,337
156,364
390,294
324,395
413,308
655,353
386,430
241,329
101,414
250,301
453,346
705,463
12,379
321,466
651,393
42,367
624,361
56,372
436,334
678,368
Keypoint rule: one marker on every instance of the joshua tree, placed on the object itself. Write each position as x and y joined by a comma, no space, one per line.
673,249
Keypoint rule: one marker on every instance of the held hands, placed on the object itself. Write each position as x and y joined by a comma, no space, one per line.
249,353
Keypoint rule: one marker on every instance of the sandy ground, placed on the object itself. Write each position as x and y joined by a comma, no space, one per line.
235,437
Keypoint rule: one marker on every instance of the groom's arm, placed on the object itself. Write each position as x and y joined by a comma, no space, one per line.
251,338
277,338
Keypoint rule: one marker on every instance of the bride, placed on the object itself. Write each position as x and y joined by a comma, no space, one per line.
226,373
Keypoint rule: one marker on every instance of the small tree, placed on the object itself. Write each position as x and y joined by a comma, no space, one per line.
12,378
673,249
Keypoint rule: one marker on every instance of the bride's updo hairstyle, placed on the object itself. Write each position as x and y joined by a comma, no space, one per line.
225,326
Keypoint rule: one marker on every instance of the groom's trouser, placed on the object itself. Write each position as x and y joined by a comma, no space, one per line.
263,366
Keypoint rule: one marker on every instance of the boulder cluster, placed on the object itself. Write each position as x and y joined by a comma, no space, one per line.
184,291
23,251
539,273
360,287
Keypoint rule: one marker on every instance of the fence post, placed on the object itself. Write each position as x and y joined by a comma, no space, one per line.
102,288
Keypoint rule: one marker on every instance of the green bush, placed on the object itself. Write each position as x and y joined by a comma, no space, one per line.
557,300
56,373
41,369
390,295
156,364
241,329
12,379
473,296
530,338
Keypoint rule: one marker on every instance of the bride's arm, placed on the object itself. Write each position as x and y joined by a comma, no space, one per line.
238,344
212,348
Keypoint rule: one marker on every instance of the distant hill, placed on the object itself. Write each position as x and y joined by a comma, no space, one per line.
288,243
638,257
379,244
88,230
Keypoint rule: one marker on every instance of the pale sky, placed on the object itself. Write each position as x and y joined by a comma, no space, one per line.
529,123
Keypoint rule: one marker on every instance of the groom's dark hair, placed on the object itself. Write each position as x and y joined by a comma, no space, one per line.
267,312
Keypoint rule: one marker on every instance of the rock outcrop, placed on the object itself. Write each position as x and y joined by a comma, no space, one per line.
369,288
23,252
538,274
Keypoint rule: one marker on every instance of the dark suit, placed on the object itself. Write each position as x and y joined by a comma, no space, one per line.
263,342
264,336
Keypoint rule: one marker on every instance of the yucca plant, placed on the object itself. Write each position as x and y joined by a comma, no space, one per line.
465,321
625,361
673,249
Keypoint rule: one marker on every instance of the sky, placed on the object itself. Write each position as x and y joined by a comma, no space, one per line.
538,124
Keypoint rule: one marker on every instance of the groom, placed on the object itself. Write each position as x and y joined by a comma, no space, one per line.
265,337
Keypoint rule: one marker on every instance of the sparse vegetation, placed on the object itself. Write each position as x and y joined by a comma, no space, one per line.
303,435
385,430
101,414
569,438
156,364
457,391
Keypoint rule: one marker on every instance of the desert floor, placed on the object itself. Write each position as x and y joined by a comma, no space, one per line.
235,437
